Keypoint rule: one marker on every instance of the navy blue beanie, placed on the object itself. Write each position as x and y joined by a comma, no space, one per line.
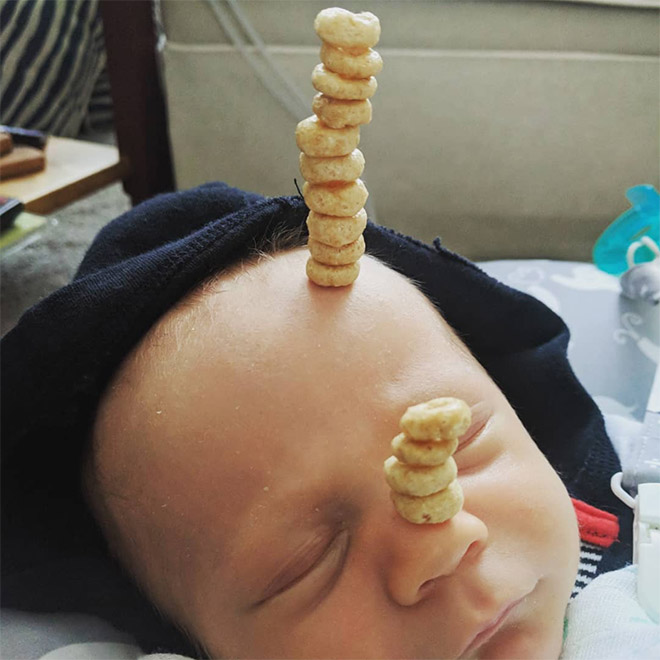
59,358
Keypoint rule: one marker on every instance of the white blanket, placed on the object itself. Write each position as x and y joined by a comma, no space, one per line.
606,621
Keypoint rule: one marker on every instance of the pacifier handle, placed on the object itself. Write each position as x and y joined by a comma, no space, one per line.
645,241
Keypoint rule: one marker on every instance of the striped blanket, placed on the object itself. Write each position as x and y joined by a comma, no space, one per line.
52,60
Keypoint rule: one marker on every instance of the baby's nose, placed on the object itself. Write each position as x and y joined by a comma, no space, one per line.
420,554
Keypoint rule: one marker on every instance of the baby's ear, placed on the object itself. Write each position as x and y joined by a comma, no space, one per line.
88,473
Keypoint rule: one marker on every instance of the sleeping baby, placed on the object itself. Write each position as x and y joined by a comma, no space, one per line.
230,420
239,450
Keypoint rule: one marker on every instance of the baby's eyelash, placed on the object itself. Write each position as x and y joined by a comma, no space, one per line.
315,548
335,559
473,433
290,576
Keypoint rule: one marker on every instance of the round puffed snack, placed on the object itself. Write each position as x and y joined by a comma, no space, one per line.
335,231
423,452
419,480
443,418
362,65
436,508
334,85
338,168
348,30
342,199
316,139
336,256
339,113
332,275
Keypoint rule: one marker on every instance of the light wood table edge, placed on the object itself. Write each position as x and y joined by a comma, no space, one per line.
56,199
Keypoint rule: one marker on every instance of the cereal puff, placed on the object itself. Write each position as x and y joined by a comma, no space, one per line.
422,473
330,161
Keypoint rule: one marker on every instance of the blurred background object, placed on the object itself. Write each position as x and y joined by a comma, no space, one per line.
17,158
53,60
53,78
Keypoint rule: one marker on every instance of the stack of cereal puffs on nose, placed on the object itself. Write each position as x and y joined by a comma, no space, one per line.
422,472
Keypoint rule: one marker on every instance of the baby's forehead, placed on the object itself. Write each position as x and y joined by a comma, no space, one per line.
264,324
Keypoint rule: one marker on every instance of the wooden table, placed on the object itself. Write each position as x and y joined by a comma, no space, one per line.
73,169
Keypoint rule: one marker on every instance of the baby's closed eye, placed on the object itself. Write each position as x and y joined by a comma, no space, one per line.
472,450
311,573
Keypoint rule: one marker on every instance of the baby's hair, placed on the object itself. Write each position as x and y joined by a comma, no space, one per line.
281,239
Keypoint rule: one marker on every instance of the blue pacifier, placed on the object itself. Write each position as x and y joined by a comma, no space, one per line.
641,220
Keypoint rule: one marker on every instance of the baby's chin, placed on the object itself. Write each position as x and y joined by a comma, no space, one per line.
523,640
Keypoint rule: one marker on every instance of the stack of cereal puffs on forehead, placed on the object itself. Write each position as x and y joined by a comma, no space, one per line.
330,161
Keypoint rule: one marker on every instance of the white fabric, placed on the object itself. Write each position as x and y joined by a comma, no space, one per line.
94,651
623,432
106,651
31,635
606,621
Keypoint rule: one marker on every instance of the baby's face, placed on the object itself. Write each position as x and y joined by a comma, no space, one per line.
246,440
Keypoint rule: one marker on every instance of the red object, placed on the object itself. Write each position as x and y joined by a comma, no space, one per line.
596,526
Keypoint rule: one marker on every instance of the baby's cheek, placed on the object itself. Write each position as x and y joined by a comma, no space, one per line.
551,521
521,499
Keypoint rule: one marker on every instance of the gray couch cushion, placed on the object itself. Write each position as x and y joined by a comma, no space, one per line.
511,129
